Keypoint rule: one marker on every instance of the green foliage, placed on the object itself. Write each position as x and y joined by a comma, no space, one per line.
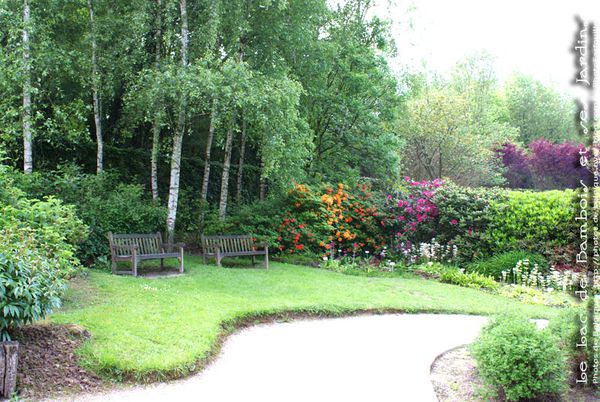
474,280
566,327
538,110
37,253
493,266
520,361
532,295
31,284
535,221
102,202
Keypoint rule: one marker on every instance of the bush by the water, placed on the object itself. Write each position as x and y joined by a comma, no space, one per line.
493,266
519,361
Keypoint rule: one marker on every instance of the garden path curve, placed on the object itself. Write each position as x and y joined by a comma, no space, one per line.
362,358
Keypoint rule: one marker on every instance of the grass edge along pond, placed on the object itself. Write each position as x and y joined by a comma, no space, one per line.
152,329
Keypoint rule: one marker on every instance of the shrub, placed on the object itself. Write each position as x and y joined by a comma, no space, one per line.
37,244
529,295
340,218
545,166
470,280
102,203
535,221
493,266
31,284
53,227
409,214
464,215
516,166
520,361
556,166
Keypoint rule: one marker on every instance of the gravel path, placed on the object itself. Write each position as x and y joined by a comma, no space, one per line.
364,358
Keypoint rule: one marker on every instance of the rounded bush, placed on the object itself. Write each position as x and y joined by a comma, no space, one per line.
519,361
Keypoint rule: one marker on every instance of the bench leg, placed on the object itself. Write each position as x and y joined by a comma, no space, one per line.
180,260
253,260
204,259
218,259
134,264
162,263
113,267
266,258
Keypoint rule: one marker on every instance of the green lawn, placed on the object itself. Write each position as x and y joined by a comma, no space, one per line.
158,328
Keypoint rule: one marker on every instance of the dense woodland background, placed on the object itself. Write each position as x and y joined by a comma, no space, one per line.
208,106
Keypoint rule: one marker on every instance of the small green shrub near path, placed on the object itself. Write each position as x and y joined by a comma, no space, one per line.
149,329
520,361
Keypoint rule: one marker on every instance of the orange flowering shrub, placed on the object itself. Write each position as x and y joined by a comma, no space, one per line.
332,220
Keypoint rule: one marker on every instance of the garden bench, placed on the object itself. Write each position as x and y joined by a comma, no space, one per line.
140,247
233,246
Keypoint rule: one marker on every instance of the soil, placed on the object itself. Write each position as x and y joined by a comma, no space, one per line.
48,364
455,379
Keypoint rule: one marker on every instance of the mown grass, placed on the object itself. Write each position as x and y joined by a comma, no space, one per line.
152,329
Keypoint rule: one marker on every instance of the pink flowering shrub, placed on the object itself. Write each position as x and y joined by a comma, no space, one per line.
410,214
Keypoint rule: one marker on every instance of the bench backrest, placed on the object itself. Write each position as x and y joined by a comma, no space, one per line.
146,243
227,243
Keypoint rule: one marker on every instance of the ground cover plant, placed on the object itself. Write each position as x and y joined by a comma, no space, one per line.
129,317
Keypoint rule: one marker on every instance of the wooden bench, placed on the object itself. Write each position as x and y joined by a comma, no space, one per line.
223,246
139,247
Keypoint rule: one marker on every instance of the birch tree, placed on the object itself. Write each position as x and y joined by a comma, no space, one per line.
156,120
181,129
95,92
27,142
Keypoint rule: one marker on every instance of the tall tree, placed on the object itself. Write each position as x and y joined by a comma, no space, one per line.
240,172
207,152
156,120
180,132
539,110
96,92
226,168
27,142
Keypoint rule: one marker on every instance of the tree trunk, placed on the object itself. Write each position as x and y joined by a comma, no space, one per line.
226,166
177,141
27,148
240,172
95,93
156,122
209,140
263,182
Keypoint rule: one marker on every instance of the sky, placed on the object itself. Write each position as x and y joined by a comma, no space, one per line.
530,36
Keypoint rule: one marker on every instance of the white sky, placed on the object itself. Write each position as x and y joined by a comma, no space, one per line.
530,36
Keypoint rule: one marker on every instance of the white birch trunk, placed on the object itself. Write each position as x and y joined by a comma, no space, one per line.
209,140
177,141
96,94
27,146
156,123
263,182
225,176
240,172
